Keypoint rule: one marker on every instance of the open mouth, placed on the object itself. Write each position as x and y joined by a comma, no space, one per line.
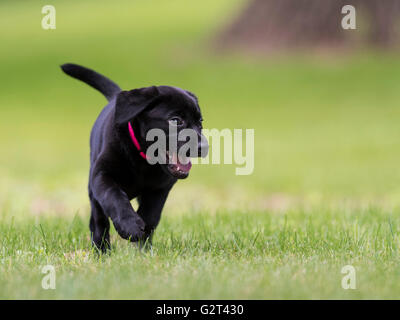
178,168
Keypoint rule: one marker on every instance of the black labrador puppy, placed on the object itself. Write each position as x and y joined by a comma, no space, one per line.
119,170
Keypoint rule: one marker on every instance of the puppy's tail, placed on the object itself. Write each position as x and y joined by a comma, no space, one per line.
107,87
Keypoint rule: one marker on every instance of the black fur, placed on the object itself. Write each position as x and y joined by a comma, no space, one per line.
117,173
92,78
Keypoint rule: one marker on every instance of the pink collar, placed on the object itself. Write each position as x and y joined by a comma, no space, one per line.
135,142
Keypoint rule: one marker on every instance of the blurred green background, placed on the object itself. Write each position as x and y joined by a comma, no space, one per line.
326,126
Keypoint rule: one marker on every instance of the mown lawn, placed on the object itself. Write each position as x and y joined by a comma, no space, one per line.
324,193
230,255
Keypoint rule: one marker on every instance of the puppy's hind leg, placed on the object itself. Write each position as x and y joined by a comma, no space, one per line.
99,226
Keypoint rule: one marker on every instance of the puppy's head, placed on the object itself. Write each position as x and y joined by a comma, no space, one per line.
163,108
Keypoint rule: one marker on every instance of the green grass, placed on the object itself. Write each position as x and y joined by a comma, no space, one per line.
324,194
230,255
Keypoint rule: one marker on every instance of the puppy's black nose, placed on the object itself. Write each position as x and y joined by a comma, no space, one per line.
202,150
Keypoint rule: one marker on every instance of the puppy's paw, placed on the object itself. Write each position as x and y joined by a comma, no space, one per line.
131,228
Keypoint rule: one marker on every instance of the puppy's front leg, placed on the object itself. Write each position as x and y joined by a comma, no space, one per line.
150,208
116,205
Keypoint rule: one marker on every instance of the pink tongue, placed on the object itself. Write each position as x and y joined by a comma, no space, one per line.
184,167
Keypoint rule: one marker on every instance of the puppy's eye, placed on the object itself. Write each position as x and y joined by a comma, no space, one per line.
175,121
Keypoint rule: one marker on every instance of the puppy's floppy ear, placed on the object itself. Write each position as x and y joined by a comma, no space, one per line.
130,103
